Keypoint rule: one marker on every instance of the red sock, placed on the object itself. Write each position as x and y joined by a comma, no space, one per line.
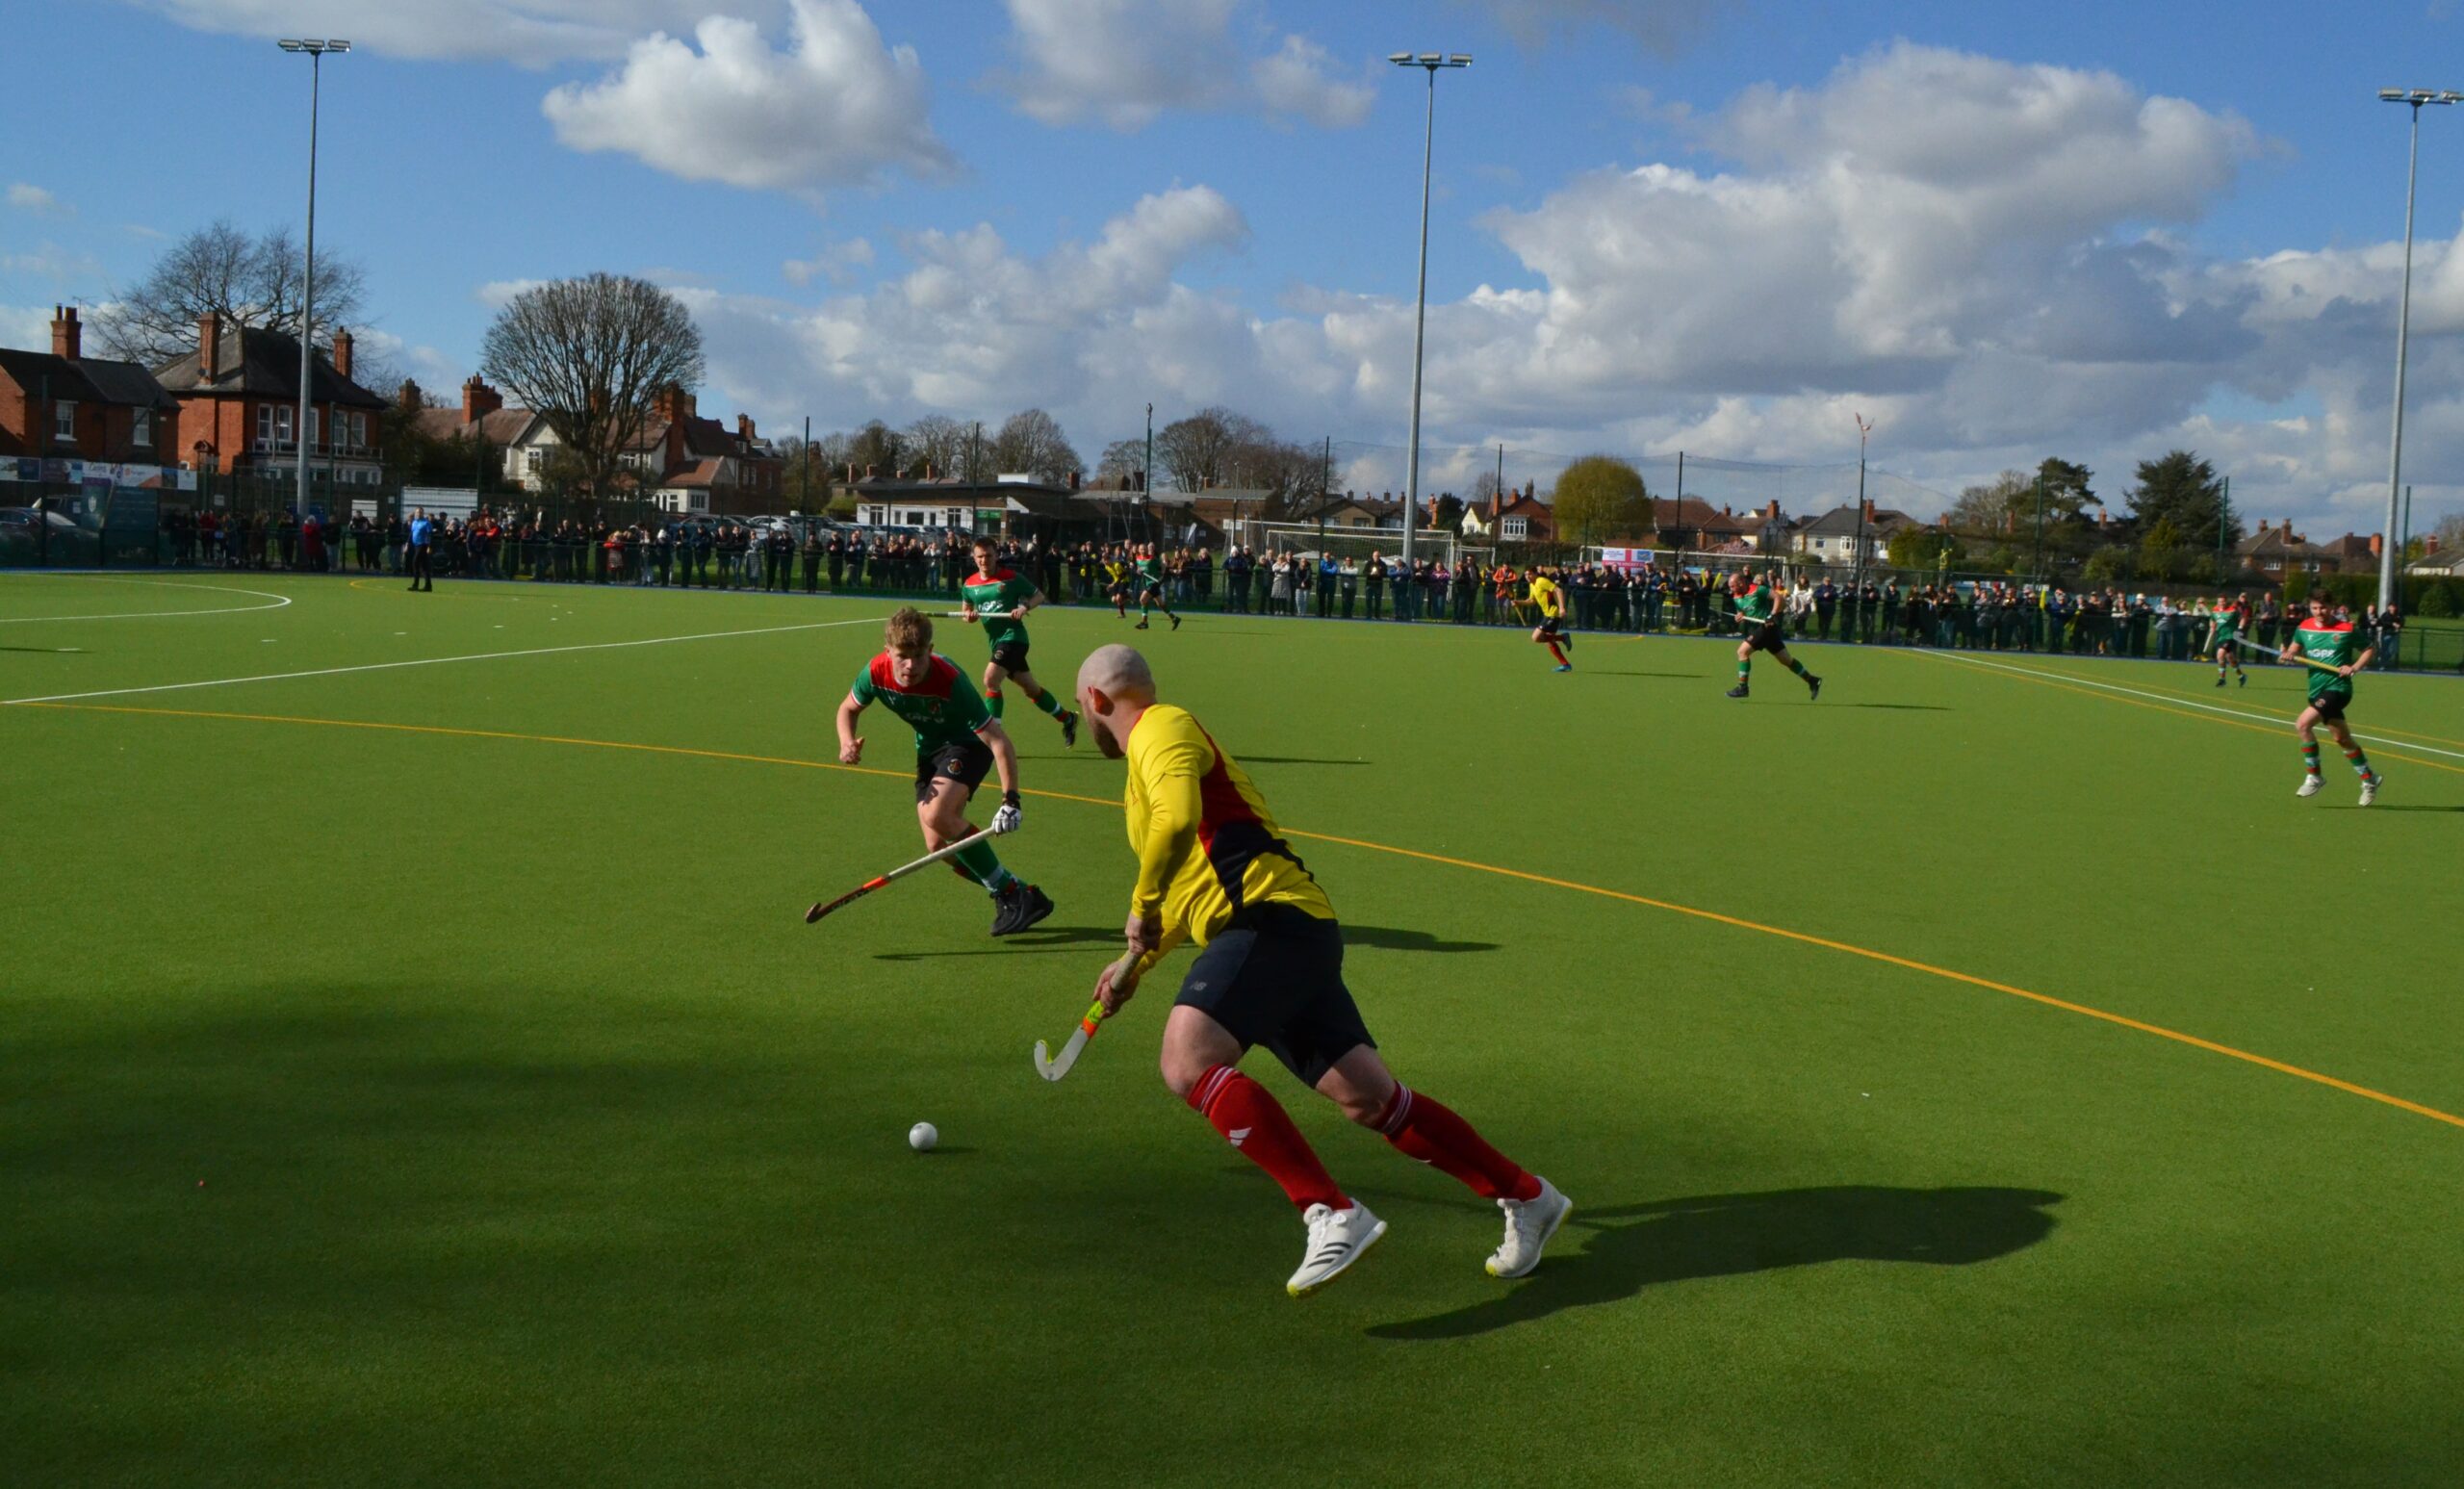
1558,653
1425,1130
1252,1120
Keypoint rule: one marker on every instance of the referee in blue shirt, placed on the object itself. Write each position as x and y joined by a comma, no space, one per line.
422,551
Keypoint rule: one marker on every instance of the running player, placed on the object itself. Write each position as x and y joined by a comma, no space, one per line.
2231,616
1116,582
956,742
2343,650
1000,599
1753,600
1213,868
1150,587
1549,603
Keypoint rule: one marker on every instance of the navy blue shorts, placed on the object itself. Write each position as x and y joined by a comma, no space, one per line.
1274,977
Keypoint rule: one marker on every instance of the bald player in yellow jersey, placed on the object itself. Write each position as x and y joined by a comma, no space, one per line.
1213,868
1547,598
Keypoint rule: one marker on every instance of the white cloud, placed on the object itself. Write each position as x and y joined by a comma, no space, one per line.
836,108
530,33
26,197
1124,62
1984,281
27,328
837,263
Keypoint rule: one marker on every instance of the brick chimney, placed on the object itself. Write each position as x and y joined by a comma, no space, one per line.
1075,477
65,332
744,427
673,404
2376,544
341,352
478,400
209,345
1870,511
1771,512
410,397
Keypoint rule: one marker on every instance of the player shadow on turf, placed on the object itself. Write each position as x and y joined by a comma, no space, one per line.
1894,708
1621,672
2391,807
1294,760
1042,938
1390,938
1627,1248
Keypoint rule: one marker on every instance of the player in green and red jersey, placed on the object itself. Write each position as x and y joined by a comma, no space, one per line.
2231,616
958,742
2340,649
1755,608
1000,599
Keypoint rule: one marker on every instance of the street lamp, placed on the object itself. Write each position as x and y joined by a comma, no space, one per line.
316,50
2413,98
1429,62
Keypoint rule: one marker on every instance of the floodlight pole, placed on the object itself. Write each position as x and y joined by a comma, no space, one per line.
2412,98
316,51
1428,62
1865,429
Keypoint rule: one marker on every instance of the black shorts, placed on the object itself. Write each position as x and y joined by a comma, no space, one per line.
1766,637
1274,977
1010,657
967,763
1552,625
1151,591
2331,706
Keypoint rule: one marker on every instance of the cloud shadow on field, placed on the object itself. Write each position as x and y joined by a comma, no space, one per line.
1627,1248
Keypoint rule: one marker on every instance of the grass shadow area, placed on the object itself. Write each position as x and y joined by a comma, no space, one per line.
1630,1247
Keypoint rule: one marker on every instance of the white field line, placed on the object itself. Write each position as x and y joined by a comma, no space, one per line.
437,661
2176,699
280,601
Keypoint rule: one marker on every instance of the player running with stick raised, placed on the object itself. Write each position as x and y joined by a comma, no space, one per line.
958,741
1000,599
1149,570
2223,636
1213,868
2334,650
1752,599
1548,603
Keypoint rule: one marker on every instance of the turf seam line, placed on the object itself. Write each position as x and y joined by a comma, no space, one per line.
2213,714
280,601
1804,937
437,661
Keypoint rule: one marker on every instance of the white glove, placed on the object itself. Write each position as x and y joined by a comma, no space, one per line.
1006,820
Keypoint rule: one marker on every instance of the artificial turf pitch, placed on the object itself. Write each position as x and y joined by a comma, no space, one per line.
462,1100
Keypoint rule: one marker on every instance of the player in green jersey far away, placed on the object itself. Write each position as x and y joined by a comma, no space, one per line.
1755,608
1150,588
2339,650
1000,599
958,742
2231,616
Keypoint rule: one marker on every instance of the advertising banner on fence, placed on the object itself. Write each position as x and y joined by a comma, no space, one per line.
1629,558
93,474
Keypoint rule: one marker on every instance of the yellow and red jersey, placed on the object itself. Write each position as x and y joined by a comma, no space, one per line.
1206,846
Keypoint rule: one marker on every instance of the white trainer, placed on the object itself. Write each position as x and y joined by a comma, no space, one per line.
2370,788
2310,787
1337,1238
1529,1225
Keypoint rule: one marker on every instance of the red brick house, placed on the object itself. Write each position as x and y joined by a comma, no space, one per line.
1524,519
693,463
238,397
66,405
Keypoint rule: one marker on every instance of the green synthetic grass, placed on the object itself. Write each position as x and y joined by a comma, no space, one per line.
393,1107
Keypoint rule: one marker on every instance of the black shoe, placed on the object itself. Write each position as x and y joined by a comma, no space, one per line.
1069,731
1018,907
1813,688
1176,623
2242,680
2220,680
1738,691
1140,626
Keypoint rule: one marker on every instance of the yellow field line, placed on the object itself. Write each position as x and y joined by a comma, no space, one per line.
2278,732
1803,937
2176,692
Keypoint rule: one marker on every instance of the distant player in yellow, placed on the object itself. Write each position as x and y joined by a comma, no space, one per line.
1548,601
1213,868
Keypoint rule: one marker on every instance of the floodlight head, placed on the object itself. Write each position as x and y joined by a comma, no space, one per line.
1459,60
289,45
338,47
1404,60
1430,59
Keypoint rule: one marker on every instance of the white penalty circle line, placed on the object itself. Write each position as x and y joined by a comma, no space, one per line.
2175,698
437,661
280,601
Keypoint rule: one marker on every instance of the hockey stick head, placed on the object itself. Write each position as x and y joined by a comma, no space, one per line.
844,900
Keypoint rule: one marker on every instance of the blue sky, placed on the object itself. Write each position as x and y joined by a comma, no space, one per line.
2099,230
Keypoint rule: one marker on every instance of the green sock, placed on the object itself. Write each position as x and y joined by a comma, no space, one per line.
1796,666
1050,703
2310,758
2360,761
994,702
980,862
1742,668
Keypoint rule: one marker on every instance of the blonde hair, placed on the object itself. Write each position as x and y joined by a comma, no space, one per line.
909,630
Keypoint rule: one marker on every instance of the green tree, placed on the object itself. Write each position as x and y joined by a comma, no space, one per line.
1922,548
1597,497
2106,564
2160,551
1449,512
2181,488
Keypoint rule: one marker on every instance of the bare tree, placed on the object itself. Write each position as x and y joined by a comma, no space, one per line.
938,441
1123,462
588,355
250,282
1031,441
